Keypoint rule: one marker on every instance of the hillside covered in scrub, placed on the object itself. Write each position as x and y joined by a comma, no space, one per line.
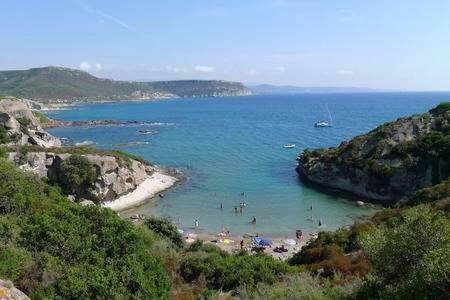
57,83
388,164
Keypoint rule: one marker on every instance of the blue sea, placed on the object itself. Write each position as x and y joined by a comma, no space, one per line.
229,145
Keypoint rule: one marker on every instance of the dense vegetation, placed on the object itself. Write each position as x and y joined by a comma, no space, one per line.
77,174
51,83
53,248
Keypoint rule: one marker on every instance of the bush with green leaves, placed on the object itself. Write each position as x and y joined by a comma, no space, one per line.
226,272
411,258
52,248
299,286
165,229
77,174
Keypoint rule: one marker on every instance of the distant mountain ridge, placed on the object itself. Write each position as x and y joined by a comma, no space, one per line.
289,89
58,83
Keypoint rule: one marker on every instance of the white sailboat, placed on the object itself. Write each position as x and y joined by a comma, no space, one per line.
288,146
324,123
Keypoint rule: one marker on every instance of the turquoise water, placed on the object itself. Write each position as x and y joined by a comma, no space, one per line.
235,144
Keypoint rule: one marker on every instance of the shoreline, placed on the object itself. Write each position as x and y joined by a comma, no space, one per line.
155,184
231,244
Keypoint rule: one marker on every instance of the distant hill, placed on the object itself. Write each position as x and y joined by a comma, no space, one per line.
287,89
52,83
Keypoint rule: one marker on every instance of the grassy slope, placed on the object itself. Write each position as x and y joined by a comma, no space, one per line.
62,83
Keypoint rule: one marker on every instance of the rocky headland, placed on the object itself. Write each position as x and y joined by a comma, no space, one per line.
388,164
116,176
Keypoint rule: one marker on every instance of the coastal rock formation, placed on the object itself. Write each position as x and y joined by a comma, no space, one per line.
9,292
389,163
114,178
115,174
21,127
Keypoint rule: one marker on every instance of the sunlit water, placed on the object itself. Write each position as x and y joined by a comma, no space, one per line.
230,145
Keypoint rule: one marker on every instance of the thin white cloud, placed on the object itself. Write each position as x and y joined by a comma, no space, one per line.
281,68
204,69
345,72
176,70
85,66
89,10
98,66
113,19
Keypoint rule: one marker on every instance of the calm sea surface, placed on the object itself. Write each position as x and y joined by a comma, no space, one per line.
231,145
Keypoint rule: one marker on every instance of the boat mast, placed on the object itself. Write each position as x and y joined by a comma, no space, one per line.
329,115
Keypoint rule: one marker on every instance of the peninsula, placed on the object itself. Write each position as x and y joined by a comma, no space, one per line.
388,164
61,85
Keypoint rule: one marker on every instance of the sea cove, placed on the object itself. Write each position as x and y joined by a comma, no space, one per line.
229,145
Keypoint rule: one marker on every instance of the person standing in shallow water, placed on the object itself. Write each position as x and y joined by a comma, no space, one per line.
196,223
221,206
254,220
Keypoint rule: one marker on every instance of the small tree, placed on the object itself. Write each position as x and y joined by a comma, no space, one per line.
411,258
166,229
77,174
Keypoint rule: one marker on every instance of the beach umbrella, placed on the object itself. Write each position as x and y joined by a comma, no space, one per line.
262,241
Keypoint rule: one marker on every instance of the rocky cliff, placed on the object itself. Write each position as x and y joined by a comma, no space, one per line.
389,163
34,150
18,126
114,177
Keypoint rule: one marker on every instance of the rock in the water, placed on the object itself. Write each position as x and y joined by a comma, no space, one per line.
360,203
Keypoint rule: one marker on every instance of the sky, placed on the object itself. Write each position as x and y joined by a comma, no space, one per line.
401,45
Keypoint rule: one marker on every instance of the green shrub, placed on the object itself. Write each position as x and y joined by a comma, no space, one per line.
3,152
301,286
77,174
226,272
4,137
411,259
21,193
13,262
95,248
441,108
166,229
43,119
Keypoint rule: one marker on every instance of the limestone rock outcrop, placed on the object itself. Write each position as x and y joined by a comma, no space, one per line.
114,178
22,126
9,292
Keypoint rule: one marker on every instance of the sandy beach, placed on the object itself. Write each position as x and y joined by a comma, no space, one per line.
155,184
231,244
